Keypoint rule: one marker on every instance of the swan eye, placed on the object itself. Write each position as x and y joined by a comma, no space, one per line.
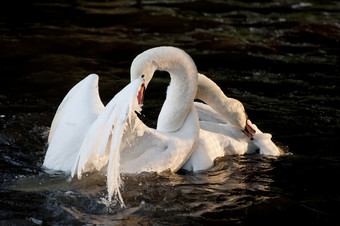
142,76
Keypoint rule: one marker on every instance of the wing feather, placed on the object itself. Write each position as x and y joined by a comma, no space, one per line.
76,113
207,113
102,142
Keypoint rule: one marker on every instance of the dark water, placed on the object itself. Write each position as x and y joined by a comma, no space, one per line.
280,58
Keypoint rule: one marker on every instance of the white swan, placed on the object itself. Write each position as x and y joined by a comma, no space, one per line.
225,129
86,136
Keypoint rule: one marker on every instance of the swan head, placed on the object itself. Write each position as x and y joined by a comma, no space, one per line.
164,58
146,63
142,68
236,115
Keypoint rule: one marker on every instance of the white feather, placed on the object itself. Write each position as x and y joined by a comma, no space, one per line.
78,110
87,137
101,145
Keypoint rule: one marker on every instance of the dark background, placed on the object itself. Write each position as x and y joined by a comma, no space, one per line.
279,58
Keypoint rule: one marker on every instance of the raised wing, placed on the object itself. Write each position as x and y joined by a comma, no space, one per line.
101,145
76,113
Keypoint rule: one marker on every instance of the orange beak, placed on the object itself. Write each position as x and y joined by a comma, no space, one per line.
140,96
249,131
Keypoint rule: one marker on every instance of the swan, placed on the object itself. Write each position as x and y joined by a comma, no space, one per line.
87,136
224,129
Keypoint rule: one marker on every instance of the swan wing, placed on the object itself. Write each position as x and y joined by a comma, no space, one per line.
216,140
102,142
76,113
151,150
207,113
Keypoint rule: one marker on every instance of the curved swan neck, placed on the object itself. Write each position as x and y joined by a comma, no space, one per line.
183,85
230,109
209,92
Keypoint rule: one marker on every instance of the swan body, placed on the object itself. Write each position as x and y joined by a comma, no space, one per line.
87,136
114,138
222,120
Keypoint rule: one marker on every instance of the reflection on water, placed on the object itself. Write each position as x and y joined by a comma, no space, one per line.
234,185
236,190
280,58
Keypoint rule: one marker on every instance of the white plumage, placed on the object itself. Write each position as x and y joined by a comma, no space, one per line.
85,136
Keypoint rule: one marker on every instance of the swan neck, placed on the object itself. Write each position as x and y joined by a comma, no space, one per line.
181,91
183,85
209,92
